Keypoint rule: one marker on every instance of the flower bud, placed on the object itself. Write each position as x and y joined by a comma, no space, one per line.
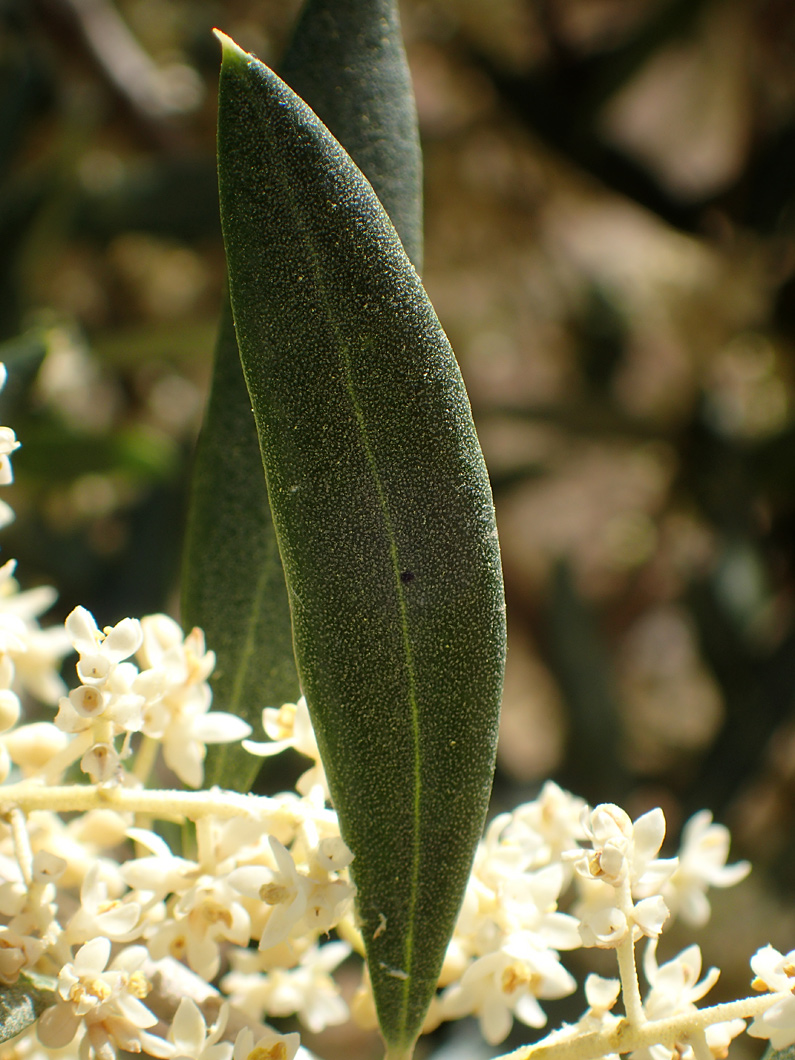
32,746
9,709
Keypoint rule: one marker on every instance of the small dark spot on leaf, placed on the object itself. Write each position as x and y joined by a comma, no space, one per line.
407,576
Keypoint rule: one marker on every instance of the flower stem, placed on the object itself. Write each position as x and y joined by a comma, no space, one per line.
630,989
627,969
22,848
624,1037
28,796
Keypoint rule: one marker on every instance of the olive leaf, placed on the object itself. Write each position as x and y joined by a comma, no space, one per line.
384,519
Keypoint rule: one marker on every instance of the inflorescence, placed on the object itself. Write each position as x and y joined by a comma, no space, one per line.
174,922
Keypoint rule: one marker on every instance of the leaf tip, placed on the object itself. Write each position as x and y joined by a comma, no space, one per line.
231,51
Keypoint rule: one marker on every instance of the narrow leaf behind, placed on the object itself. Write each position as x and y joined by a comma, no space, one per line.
233,583
347,61
384,518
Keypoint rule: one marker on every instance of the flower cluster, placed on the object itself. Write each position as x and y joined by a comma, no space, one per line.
167,699
504,958
123,922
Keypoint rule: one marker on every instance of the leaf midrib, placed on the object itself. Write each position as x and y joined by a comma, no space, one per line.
345,356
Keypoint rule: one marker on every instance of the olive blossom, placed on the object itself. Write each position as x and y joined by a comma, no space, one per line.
306,990
508,982
92,894
104,1002
675,988
701,865
775,971
192,1039
270,1046
179,716
290,726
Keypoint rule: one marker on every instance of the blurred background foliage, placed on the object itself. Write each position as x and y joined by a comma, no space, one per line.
610,244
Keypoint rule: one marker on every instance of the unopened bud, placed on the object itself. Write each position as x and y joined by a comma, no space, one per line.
9,709
32,746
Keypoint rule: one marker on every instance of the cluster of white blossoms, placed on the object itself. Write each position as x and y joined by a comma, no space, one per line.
173,923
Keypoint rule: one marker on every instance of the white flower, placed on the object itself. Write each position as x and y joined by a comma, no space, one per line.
299,903
505,896
206,915
308,989
17,952
604,926
600,993
29,657
101,761
32,746
702,864
286,891
106,1002
190,1037
270,1046
675,985
99,915
291,726
623,849
675,989
36,653
180,717
605,923
544,828
508,983
160,875
100,651
8,445
776,972
530,902
773,970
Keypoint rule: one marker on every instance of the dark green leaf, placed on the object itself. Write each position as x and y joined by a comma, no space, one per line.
233,584
347,61
384,518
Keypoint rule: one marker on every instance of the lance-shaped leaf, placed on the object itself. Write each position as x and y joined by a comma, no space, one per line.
348,62
384,518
